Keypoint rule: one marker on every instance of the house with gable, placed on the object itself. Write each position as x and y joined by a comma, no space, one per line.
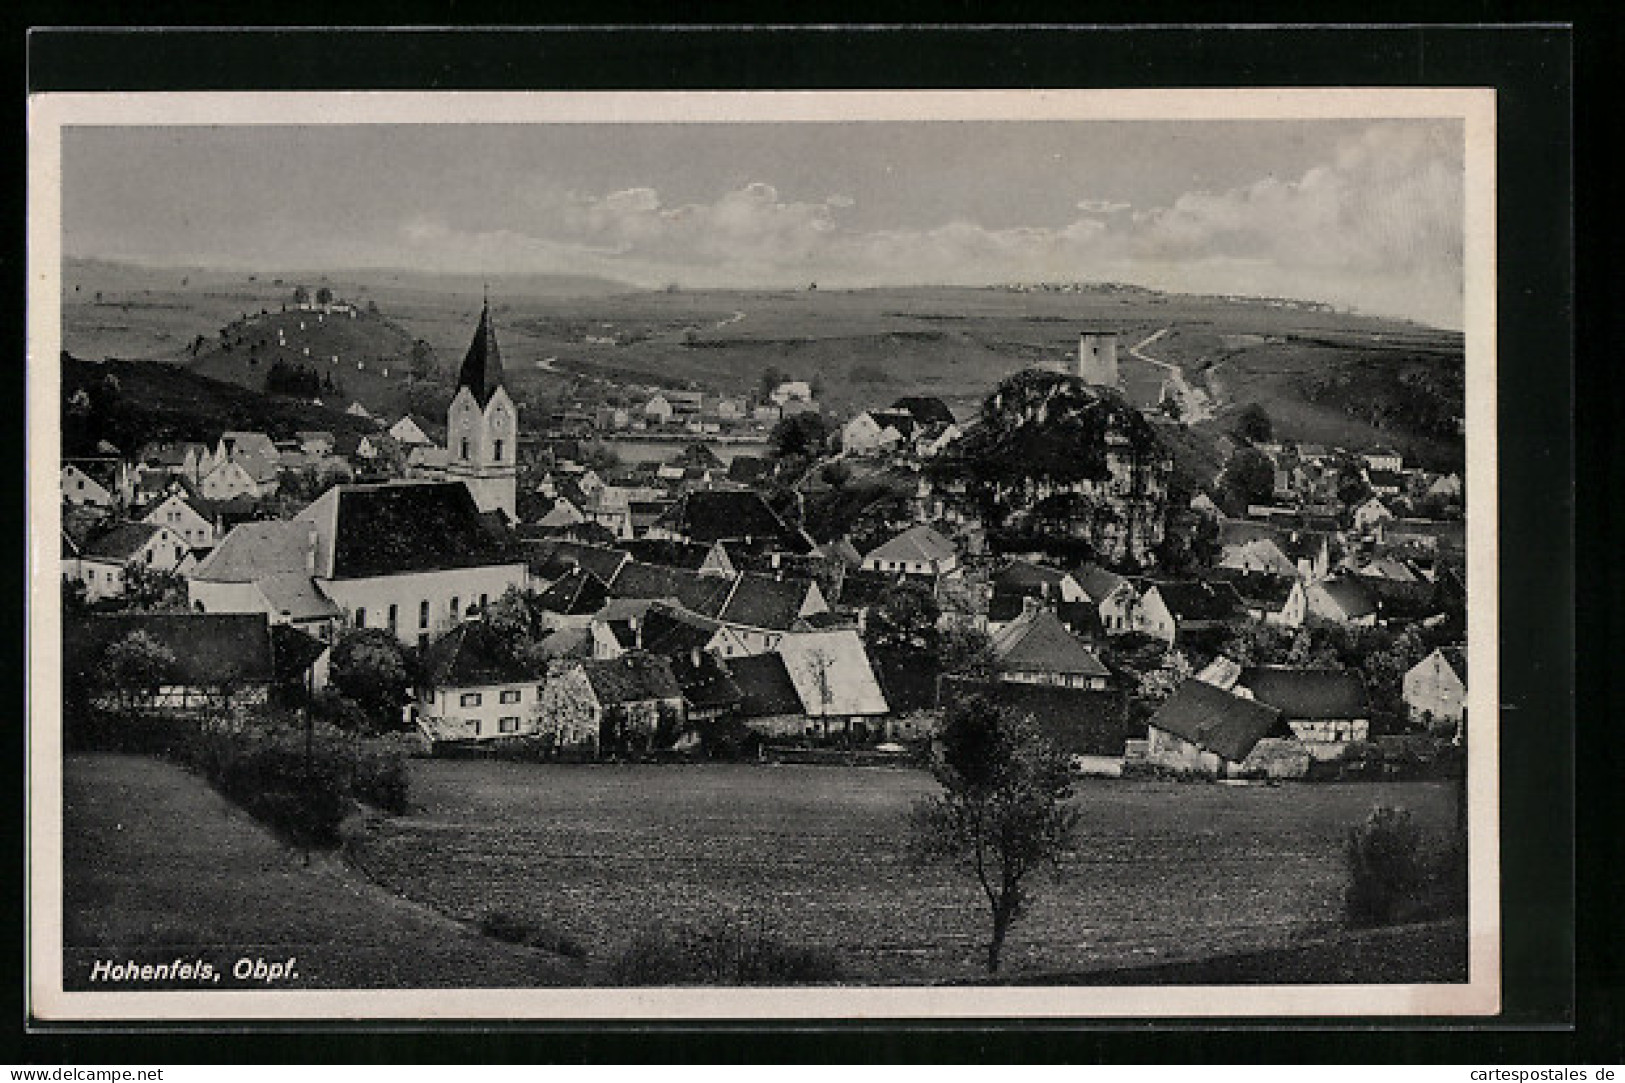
632,703
1342,600
474,688
833,677
187,515
1114,597
919,550
410,557
1204,730
1369,515
1174,611
1272,599
1435,691
1036,648
409,432
1259,556
81,487
1327,709
269,568
105,557
708,516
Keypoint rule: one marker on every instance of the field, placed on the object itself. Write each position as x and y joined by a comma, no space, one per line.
157,866
864,346
1166,873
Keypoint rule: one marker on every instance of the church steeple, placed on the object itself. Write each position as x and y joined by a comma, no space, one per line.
482,365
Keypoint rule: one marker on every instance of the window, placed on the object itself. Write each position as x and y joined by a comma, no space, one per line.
539,690
465,447
471,699
475,723
496,451
361,617
510,695
394,611
508,725
455,612
423,613
149,556
483,601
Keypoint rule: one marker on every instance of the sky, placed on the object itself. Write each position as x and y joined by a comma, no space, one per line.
1365,214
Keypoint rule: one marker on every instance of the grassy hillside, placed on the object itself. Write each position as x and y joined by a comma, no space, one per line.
1324,376
132,402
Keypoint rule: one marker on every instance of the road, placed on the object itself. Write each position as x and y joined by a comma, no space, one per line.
1195,404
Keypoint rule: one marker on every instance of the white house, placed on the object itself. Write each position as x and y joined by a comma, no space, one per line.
836,683
1114,598
473,689
82,490
792,391
103,559
1371,513
1435,690
658,410
409,432
179,513
232,478
864,434
1343,601
1384,459
265,567
919,550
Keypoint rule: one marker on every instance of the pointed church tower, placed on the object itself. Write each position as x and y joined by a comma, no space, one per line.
482,425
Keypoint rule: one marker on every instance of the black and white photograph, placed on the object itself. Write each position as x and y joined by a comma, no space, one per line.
752,555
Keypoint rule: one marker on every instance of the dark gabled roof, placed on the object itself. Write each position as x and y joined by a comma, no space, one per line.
391,529
1037,642
1349,594
1215,720
749,469
1308,693
1076,720
708,515
634,677
600,560
120,542
1259,591
925,409
470,654
577,594
209,648
764,602
673,554
863,588
1197,600
675,632
702,593
1098,583
705,683
482,364
765,686
1020,575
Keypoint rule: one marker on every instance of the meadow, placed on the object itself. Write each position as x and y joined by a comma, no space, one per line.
1165,872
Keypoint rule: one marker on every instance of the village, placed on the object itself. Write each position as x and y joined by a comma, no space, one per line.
489,584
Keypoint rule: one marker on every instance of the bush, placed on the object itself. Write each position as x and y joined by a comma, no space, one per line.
512,929
1387,871
722,953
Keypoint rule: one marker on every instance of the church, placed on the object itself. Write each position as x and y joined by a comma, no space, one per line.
482,426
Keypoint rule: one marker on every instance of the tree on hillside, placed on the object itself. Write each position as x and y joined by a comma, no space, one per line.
324,296
771,378
1003,809
421,360
370,666
301,296
1253,424
1248,478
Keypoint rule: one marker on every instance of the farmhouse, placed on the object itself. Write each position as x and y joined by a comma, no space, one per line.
1272,599
1204,730
105,557
1344,600
708,516
1173,611
919,550
708,690
1435,691
628,704
875,430
836,683
1368,515
187,516
81,489
220,660
1260,556
410,557
1036,648
1091,726
473,688
410,432
1113,596
768,701
1326,708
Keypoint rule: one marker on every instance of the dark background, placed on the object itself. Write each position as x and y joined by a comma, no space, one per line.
1547,1017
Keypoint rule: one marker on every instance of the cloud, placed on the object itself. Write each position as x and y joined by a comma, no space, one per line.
1379,225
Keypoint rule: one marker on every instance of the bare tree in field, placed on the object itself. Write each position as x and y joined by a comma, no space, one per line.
1003,809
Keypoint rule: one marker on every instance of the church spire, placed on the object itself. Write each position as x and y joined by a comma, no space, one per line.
482,365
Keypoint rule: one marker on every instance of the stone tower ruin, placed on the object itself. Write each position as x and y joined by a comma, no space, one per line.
1097,358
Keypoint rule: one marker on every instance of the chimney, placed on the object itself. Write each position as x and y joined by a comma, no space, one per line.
694,657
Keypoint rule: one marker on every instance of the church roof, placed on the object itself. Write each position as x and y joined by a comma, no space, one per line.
482,365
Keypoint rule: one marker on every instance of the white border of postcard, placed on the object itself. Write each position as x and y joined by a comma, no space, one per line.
49,113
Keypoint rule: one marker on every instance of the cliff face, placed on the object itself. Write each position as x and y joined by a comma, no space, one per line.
1052,458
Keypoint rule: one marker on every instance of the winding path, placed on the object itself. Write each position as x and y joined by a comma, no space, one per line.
1195,404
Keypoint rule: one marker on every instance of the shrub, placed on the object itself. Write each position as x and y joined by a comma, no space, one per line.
381,780
510,928
725,952
1387,871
